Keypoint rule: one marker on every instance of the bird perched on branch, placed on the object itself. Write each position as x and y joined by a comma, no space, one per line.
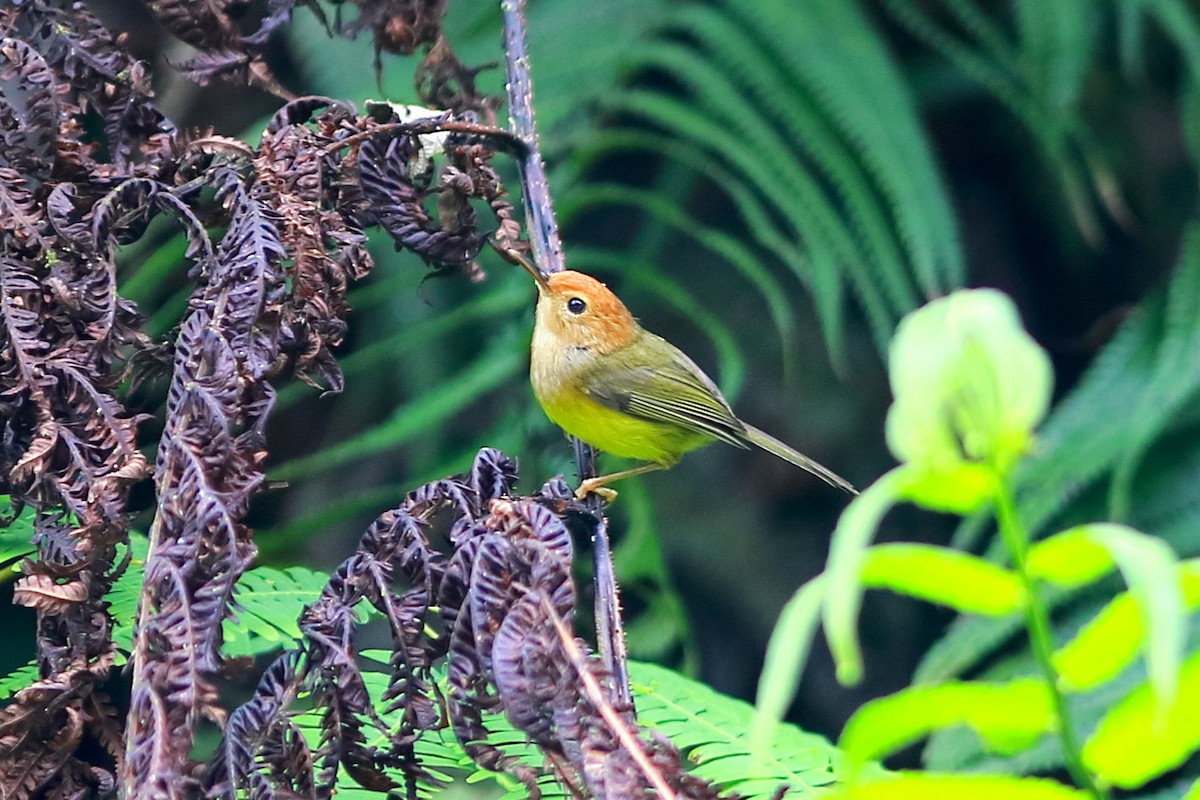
603,378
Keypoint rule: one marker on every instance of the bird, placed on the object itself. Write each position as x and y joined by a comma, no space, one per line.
604,379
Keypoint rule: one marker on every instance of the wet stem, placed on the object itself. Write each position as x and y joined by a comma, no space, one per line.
1037,620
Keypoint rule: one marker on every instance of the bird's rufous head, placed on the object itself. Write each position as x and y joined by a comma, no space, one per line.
579,311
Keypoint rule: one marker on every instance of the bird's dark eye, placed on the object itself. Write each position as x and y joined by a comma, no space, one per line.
576,305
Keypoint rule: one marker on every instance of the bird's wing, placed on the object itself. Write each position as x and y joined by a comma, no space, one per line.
677,393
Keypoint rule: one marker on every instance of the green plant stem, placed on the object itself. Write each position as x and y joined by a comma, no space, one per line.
1037,619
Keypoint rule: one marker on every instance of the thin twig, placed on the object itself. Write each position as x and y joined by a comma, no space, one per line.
609,632
428,125
539,213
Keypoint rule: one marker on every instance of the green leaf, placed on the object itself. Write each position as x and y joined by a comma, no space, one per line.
1112,639
1168,389
1007,716
969,384
1149,568
956,488
753,217
932,786
966,583
787,653
765,159
847,554
1070,558
711,729
125,595
777,93
1136,742
1057,46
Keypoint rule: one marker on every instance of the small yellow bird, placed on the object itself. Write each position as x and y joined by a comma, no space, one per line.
603,378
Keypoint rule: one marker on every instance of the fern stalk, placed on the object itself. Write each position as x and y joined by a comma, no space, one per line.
1037,620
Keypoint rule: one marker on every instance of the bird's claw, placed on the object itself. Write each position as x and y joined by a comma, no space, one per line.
596,487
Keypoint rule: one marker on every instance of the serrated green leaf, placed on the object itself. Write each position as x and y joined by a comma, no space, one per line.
124,596
777,91
753,214
931,786
712,729
1136,741
1007,716
1057,46
1112,639
18,679
832,49
966,583
268,603
811,221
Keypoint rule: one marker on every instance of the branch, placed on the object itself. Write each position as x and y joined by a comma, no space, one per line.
548,257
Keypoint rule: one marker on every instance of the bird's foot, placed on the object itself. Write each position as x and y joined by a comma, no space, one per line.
595,486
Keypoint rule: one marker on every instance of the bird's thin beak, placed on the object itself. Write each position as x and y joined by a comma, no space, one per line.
543,283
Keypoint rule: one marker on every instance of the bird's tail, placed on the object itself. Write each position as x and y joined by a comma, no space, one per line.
772,445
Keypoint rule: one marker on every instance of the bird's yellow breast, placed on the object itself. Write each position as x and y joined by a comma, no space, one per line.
614,431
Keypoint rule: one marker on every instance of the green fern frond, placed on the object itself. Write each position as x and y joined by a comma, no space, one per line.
780,95
16,538
1169,388
990,35
1040,84
710,728
831,47
18,679
810,228
268,603
1058,46
714,730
